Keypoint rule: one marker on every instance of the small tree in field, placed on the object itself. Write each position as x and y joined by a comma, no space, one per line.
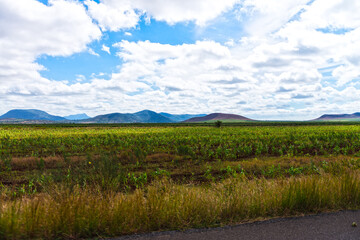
218,124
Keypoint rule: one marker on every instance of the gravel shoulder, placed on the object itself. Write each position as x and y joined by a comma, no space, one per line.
327,226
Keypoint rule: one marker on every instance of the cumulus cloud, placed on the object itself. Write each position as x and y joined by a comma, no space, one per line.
105,48
200,11
61,29
29,29
80,78
194,74
268,16
115,15
330,29
92,52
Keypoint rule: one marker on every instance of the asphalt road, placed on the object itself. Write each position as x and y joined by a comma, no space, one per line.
322,226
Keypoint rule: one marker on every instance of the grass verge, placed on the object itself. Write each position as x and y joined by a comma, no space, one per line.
87,212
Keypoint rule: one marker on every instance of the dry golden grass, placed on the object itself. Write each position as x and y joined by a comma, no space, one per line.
84,212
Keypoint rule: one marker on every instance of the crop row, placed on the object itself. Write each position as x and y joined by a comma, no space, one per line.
199,143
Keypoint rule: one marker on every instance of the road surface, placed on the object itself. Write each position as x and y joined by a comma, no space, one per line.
321,226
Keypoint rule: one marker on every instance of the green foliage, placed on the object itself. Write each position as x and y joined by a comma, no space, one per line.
218,123
229,171
160,173
293,171
208,175
41,164
197,142
5,162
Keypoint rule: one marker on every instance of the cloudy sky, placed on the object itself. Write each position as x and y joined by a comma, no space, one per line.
264,59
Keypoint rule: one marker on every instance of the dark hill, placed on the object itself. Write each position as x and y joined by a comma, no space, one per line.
332,117
148,116
30,114
145,116
112,118
219,116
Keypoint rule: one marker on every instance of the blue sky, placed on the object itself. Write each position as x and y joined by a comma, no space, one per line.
86,64
274,59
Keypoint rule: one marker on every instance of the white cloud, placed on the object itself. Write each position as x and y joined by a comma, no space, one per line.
92,52
267,16
29,29
345,74
115,15
335,14
60,29
105,48
208,75
200,11
80,78
328,31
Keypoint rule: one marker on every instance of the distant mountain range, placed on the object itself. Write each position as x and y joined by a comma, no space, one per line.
145,116
219,116
339,117
30,114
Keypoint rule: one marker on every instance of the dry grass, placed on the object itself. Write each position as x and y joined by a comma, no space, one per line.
78,212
